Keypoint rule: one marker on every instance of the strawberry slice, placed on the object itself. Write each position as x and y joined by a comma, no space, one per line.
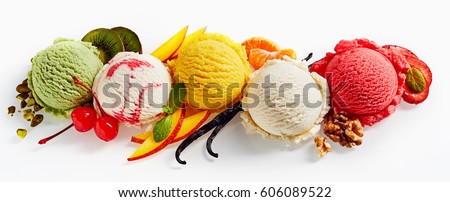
410,95
400,50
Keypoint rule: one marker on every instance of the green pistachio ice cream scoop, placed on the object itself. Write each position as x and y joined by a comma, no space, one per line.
52,72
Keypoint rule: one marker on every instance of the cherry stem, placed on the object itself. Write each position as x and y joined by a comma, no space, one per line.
78,82
45,140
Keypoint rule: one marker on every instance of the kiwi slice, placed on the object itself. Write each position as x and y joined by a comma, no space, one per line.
107,42
130,39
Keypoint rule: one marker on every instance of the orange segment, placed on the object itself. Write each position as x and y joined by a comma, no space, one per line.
260,49
261,43
288,52
258,57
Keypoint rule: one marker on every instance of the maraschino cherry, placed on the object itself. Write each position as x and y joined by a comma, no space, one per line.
106,128
83,118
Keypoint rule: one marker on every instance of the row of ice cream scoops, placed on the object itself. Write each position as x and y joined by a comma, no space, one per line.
361,83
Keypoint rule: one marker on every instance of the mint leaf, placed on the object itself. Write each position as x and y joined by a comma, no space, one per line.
162,128
167,109
177,95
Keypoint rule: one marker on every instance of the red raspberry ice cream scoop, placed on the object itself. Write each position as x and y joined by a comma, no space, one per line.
365,80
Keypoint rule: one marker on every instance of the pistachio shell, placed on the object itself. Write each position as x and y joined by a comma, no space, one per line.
30,102
21,133
37,107
23,88
28,115
22,96
23,104
37,120
415,80
11,110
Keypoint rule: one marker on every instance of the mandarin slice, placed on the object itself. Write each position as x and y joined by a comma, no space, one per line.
261,43
258,56
288,52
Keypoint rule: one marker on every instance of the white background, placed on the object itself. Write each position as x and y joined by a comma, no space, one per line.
410,145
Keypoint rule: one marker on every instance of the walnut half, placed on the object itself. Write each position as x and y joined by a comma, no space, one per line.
323,147
340,128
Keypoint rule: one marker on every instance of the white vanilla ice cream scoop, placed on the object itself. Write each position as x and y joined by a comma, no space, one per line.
132,88
284,101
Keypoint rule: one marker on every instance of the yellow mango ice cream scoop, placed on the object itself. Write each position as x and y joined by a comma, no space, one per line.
214,69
